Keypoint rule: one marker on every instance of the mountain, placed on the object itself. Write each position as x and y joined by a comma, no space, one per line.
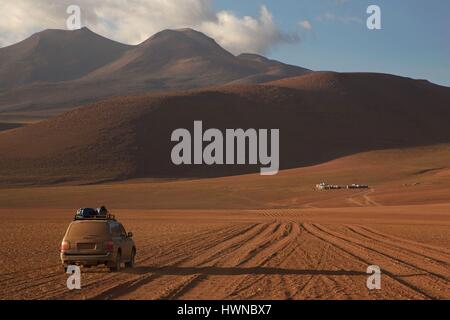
55,55
55,71
321,116
171,57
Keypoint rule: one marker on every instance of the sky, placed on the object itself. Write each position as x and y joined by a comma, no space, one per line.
414,39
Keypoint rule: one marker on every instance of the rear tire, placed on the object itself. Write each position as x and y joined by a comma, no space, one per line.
117,263
130,264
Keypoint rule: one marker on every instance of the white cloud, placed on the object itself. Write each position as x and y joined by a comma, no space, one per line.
246,34
305,24
18,22
133,21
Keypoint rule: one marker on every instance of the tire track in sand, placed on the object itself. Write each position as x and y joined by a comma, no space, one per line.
438,250
394,268
150,274
282,245
428,256
215,256
230,260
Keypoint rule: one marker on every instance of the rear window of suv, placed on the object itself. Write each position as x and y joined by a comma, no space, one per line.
88,228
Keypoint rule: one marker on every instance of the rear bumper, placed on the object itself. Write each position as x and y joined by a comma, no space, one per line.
86,258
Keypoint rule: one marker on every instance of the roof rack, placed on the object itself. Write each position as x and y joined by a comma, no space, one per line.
95,217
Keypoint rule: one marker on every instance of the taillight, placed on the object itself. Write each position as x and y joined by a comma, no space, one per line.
109,246
65,245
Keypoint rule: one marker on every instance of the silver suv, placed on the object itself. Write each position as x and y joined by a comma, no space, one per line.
98,240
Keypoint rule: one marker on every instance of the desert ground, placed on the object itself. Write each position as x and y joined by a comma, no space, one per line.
248,237
241,254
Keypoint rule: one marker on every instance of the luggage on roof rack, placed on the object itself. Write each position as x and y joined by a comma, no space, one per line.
86,213
92,214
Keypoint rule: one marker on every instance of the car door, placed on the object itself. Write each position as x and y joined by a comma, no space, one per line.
127,243
116,236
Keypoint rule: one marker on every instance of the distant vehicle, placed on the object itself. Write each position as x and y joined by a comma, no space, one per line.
326,186
358,186
94,238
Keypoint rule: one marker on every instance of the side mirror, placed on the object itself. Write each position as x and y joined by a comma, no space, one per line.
130,235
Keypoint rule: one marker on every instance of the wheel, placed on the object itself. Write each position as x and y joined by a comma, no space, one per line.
117,263
130,264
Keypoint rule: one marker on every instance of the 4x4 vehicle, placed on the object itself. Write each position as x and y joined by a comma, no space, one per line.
92,240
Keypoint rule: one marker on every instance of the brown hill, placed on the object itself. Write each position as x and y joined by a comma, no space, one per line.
56,55
169,60
406,176
321,116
